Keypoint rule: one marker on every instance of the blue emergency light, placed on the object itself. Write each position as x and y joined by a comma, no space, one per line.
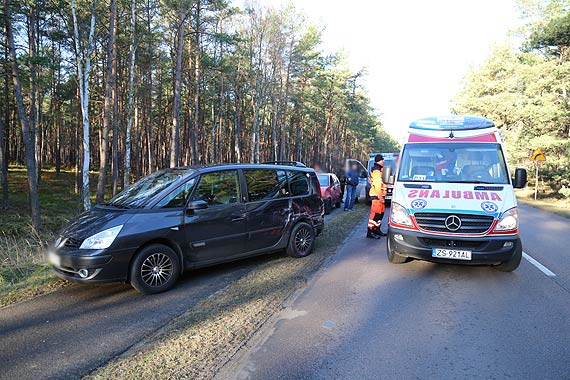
452,123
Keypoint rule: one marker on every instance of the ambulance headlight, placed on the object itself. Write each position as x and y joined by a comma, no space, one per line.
509,221
101,240
399,215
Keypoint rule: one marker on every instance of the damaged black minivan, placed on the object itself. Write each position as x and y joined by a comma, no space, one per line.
183,218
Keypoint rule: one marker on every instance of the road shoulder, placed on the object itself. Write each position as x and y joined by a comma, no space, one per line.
197,344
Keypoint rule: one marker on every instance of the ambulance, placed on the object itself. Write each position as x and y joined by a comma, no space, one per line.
453,199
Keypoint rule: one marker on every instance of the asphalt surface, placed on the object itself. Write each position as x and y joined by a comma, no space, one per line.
364,318
68,333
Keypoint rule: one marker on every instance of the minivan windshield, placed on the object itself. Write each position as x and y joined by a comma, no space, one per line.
324,179
453,163
142,191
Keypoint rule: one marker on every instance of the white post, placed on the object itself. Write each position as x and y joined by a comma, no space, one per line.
536,181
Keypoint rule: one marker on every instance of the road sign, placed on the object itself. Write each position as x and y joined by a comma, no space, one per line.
538,155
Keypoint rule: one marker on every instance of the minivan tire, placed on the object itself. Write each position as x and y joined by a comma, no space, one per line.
328,206
513,263
155,269
302,240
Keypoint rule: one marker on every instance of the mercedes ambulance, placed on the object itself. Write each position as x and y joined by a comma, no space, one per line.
453,199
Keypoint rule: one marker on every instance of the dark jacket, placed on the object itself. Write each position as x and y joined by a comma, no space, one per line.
352,177
376,167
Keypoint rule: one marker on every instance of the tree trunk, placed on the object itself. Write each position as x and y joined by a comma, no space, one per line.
237,124
107,108
33,81
195,157
115,108
4,178
4,135
83,77
131,97
174,142
27,131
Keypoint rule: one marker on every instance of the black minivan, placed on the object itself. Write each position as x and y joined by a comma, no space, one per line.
182,218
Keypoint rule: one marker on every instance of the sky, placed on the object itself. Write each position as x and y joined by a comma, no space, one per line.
416,52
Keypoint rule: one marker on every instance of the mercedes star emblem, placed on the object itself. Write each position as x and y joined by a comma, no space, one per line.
453,223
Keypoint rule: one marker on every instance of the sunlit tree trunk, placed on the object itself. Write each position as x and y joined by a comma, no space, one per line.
83,78
175,134
131,96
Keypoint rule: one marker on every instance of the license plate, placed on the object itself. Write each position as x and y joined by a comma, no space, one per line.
453,254
54,259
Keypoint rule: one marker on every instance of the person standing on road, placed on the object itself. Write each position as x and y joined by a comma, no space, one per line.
351,178
377,194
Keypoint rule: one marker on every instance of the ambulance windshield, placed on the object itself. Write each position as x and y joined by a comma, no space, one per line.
454,163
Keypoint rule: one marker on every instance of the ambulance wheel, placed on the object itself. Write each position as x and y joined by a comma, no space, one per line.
393,256
302,240
513,263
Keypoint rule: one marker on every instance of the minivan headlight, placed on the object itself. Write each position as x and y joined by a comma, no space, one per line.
399,215
101,240
509,220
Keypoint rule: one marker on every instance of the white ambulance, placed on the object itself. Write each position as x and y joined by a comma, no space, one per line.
453,199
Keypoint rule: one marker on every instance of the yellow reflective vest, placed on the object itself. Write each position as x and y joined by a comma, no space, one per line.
377,187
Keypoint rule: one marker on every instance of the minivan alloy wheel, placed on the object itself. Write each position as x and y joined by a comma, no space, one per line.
303,239
156,269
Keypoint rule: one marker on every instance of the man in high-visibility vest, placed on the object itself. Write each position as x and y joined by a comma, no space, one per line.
377,193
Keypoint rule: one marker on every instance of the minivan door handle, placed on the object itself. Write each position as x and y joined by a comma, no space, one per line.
237,218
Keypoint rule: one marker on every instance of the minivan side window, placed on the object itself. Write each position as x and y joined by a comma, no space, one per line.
299,183
217,188
177,198
264,184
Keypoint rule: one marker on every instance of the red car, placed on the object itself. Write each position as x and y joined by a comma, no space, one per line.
330,191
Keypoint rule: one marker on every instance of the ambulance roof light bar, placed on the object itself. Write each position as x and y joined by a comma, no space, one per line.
452,123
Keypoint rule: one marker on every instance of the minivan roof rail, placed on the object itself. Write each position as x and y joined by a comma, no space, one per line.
289,163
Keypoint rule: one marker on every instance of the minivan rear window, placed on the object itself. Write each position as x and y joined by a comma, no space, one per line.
263,184
299,183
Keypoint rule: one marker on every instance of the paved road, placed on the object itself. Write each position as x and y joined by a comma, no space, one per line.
68,333
363,318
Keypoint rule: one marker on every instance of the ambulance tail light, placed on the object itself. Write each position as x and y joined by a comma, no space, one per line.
399,215
509,221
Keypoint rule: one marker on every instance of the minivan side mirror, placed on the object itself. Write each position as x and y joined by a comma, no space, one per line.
197,205
387,176
520,178
363,174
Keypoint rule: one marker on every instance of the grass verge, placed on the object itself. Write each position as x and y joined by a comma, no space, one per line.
198,343
23,271
547,201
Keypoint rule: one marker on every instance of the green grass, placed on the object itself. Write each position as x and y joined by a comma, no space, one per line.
198,343
23,271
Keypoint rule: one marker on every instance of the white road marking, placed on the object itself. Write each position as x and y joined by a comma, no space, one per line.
540,267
